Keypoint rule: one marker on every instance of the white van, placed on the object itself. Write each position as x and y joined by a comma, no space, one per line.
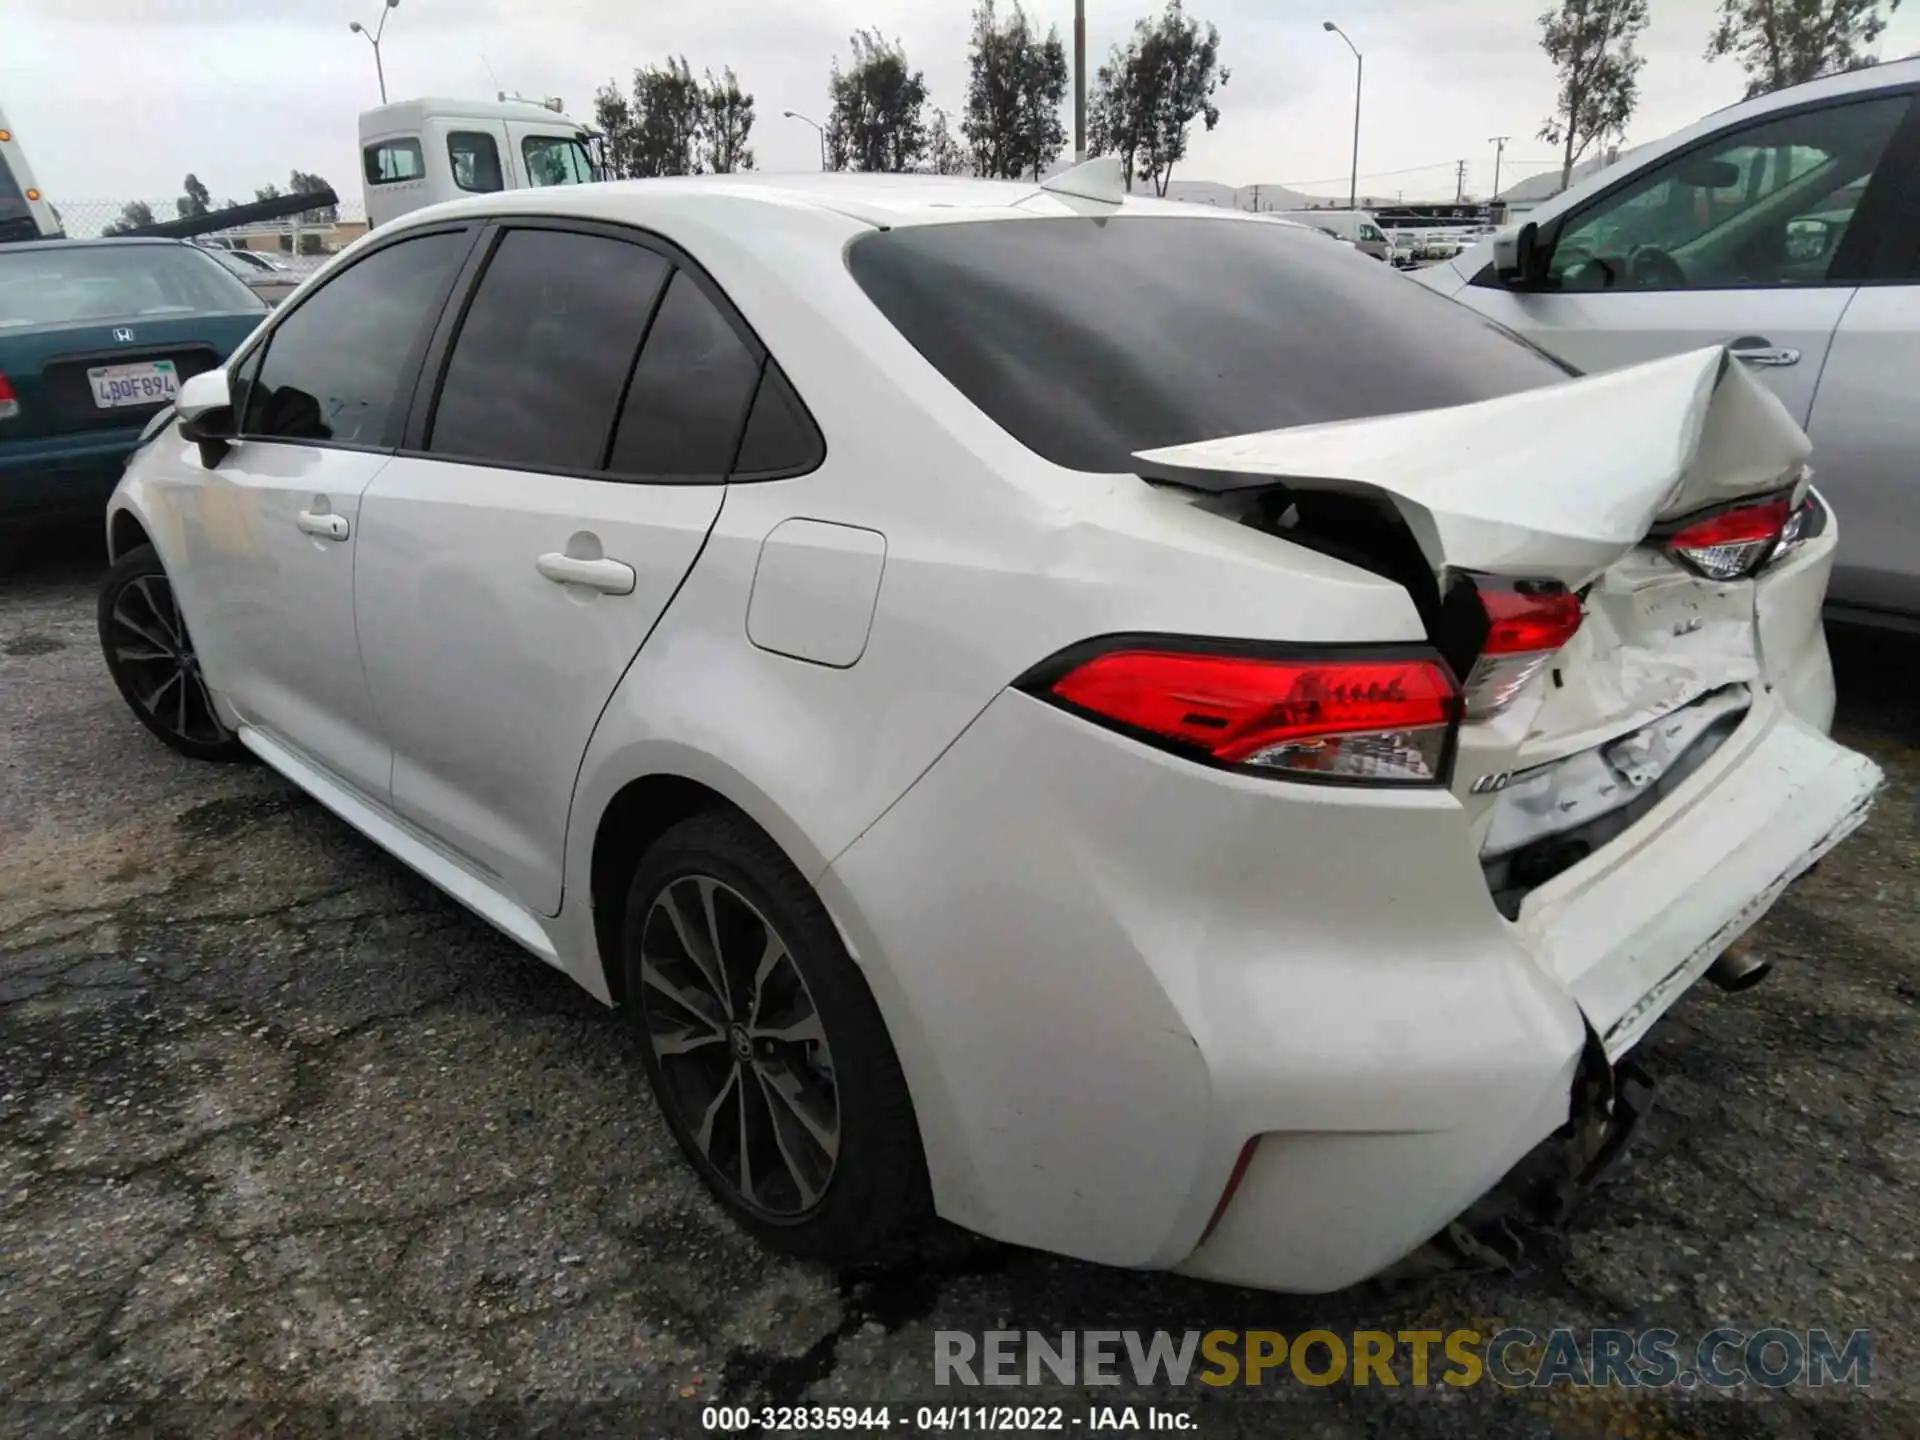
1357,226
420,152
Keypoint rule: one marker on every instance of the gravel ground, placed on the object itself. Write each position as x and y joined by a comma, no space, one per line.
290,1144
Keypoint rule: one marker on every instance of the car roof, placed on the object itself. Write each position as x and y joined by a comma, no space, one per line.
881,201
1889,75
96,240
411,114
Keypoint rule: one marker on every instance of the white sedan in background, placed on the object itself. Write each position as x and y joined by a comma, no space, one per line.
1788,229
1023,736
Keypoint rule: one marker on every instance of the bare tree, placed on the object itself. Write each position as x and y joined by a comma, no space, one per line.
1787,42
1591,45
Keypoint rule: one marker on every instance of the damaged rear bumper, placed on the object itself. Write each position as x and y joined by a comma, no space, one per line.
1630,929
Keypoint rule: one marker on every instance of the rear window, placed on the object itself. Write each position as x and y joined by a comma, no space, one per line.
1090,339
65,284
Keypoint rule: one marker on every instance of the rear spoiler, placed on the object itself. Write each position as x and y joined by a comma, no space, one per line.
1554,483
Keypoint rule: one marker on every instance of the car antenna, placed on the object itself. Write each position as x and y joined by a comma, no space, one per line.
1102,178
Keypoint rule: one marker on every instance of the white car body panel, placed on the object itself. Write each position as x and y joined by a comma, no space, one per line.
488,757
275,602
1105,969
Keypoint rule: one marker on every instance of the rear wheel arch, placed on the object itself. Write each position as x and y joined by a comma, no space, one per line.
641,812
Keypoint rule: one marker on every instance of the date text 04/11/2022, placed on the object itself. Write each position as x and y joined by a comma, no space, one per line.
940,1419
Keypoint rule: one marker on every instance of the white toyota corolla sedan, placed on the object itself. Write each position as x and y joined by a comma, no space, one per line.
1122,725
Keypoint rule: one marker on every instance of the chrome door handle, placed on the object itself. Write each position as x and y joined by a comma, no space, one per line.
327,526
1765,354
609,577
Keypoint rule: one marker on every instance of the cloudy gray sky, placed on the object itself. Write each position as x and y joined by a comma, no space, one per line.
119,99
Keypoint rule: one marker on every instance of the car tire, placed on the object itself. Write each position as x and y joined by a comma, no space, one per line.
151,657
787,1050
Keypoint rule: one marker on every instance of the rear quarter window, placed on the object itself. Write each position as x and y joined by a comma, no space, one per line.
1090,339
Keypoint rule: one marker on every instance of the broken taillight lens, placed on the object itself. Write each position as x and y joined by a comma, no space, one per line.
1734,543
1527,623
1354,717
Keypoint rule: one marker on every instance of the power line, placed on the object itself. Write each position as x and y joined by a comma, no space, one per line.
1375,175
1409,170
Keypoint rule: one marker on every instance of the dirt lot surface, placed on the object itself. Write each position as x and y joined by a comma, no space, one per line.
290,1144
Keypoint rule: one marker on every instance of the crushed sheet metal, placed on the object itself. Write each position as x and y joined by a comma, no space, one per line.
1652,640
1621,1036
1556,482
1566,794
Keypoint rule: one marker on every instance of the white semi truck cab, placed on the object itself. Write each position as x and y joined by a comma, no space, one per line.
24,211
420,152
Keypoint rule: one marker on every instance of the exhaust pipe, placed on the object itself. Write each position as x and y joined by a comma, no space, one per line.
1739,968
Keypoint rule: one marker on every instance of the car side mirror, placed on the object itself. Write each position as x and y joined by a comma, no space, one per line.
1808,239
205,408
1519,259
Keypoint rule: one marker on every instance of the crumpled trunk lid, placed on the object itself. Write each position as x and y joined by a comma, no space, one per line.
1555,483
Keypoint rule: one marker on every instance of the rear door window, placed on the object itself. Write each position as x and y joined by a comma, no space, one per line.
690,392
544,354
1090,339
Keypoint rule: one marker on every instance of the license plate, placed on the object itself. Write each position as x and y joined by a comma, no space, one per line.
144,384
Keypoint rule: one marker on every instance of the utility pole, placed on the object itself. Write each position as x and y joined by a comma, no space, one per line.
1079,81
1256,199
1459,182
1499,143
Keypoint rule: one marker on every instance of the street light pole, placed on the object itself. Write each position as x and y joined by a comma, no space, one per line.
373,39
1499,143
796,115
1079,81
1359,72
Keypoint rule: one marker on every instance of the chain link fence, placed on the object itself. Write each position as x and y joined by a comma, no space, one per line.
300,242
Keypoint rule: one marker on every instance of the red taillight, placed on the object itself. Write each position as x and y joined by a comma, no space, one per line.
1526,626
1355,717
9,402
1733,544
